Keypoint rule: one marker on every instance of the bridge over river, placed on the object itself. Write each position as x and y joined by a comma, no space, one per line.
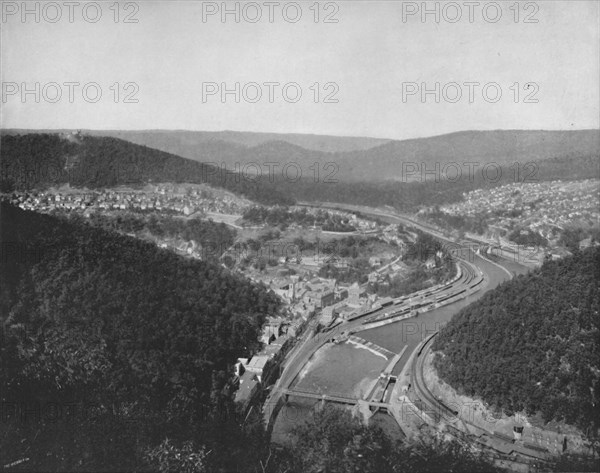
339,398
402,337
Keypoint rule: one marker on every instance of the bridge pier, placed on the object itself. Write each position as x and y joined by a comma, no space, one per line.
364,409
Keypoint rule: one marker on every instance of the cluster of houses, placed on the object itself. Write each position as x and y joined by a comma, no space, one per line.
542,207
395,268
308,296
251,374
361,224
305,296
327,297
390,235
161,198
184,247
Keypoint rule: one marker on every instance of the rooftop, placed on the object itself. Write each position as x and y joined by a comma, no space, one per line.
258,362
248,383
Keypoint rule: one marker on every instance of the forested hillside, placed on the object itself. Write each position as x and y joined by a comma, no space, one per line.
114,358
111,344
198,144
364,159
501,147
532,344
40,160
441,188
333,441
212,238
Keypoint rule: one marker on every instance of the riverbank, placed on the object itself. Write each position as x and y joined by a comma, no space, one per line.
474,411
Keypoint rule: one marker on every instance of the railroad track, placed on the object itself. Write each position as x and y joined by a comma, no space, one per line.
439,411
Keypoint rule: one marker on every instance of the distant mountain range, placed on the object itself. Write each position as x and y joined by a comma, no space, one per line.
501,147
362,159
187,140
39,160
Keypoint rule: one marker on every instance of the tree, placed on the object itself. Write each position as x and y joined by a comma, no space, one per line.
531,344
335,441
168,458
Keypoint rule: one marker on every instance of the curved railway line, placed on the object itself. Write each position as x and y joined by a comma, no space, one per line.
498,446
422,391
469,280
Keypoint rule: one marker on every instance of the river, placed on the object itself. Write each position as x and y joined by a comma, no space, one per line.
393,337
412,331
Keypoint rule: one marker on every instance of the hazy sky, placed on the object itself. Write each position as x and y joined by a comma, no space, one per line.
373,53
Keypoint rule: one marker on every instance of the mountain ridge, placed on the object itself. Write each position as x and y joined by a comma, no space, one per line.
314,142
387,161
41,160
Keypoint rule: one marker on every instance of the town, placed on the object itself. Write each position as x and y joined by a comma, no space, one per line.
292,260
186,200
340,237
539,215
